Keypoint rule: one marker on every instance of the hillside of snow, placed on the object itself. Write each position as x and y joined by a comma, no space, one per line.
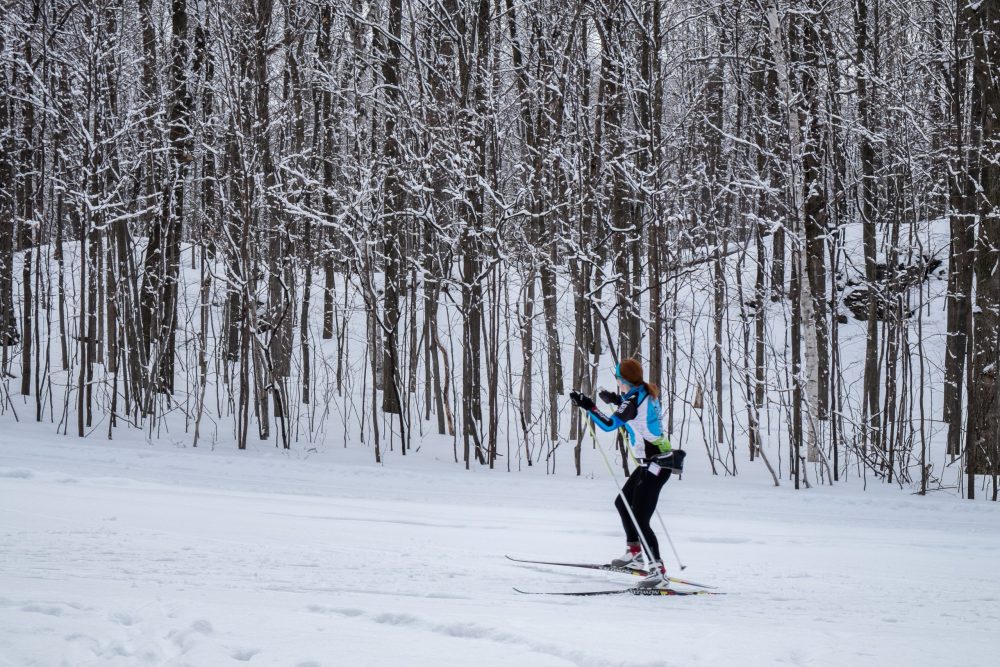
132,553
144,550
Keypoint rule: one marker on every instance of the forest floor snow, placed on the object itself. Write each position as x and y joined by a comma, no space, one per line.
127,553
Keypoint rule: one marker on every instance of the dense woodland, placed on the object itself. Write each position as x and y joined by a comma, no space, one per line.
393,219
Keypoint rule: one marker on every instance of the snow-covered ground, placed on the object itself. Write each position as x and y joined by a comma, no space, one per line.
127,553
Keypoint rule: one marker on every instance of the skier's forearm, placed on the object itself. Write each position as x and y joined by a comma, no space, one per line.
605,423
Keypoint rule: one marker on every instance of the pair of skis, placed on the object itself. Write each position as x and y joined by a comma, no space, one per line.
704,588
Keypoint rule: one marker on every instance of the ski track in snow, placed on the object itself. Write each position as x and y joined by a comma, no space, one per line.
126,554
476,631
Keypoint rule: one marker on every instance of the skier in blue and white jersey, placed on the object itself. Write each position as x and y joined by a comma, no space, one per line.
638,413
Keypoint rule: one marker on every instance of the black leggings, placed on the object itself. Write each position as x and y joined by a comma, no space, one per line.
642,489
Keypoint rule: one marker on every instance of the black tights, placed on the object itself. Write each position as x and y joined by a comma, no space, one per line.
642,489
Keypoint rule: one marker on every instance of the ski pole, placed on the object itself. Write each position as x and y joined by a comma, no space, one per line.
647,552
670,541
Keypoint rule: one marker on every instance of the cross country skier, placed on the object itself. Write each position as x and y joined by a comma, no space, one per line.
638,412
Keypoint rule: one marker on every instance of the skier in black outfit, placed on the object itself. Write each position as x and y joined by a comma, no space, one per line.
638,413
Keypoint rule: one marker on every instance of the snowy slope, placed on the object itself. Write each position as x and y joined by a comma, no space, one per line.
130,554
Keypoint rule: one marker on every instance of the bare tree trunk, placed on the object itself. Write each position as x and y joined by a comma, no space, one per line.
325,138
814,209
26,186
962,222
871,407
9,335
392,211
804,292
527,329
983,448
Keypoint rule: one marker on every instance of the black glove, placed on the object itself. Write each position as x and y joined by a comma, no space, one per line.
582,401
610,397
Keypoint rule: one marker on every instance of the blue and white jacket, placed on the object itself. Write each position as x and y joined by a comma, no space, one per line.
639,414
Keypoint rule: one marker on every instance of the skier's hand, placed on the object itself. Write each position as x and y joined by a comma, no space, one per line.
582,401
610,397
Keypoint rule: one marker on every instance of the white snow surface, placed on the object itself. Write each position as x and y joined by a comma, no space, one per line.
129,553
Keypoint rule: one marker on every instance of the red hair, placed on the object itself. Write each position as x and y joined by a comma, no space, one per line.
630,370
